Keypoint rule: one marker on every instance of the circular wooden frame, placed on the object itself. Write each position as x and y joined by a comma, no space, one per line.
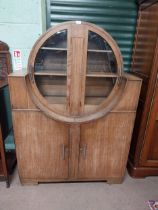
106,106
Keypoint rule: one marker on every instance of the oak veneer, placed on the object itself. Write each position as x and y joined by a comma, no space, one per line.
73,127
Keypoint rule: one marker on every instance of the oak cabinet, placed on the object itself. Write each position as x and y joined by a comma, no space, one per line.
74,109
143,158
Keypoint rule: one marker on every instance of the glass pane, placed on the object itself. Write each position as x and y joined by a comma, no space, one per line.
53,88
58,40
52,56
51,67
98,89
51,60
100,57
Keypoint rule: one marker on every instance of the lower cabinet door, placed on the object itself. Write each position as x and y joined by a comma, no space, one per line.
93,152
41,146
104,147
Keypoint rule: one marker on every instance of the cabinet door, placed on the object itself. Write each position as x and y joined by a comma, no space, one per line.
104,146
150,149
41,146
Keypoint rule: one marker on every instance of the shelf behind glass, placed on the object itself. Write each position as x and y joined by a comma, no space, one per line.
104,62
52,88
98,89
101,74
51,73
100,55
49,61
58,40
53,48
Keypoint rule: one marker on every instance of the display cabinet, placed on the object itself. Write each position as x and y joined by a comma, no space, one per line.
143,158
74,108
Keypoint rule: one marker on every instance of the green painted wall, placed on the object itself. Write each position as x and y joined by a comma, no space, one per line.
21,23
117,17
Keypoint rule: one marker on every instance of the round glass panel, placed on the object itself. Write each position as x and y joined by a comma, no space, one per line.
75,71
51,69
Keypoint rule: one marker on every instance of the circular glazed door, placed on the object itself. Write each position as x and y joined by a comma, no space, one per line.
75,72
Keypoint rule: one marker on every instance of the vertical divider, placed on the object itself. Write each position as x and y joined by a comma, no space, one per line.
74,150
77,58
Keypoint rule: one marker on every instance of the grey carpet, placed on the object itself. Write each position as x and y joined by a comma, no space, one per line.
131,195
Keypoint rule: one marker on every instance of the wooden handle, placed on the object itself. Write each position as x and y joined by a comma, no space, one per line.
64,151
83,150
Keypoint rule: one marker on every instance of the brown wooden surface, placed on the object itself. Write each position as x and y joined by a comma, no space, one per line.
61,140
101,138
77,69
74,151
77,65
18,92
150,148
143,152
140,171
40,144
5,63
41,139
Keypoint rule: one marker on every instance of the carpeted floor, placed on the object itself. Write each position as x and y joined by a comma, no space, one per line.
131,195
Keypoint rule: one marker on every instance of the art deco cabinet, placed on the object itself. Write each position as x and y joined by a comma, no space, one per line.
143,159
74,109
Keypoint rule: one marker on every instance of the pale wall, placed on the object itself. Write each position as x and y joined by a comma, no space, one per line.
21,23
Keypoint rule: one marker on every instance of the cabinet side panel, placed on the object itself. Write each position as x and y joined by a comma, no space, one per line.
144,65
149,155
19,95
107,144
39,146
129,100
18,92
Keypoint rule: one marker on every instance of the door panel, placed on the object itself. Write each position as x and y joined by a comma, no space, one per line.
40,144
104,146
150,149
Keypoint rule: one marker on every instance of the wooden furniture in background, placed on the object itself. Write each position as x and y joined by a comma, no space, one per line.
7,150
74,110
143,158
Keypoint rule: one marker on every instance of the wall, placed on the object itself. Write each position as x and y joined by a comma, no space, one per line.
117,17
21,23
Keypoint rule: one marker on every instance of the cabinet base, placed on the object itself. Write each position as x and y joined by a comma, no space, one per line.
28,182
141,172
113,180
